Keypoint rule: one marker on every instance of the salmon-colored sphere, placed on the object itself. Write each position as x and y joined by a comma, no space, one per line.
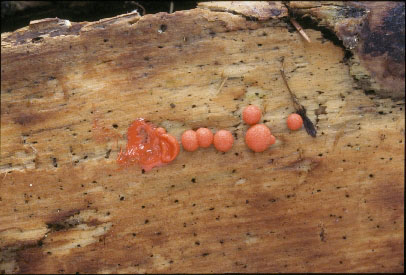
223,140
294,122
251,114
204,137
189,140
258,138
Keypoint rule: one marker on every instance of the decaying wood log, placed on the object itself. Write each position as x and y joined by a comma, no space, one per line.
374,32
333,203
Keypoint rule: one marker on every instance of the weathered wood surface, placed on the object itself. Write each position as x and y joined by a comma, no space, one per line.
374,31
333,203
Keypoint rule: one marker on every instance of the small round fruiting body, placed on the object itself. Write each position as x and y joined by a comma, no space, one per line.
189,141
258,138
223,140
294,122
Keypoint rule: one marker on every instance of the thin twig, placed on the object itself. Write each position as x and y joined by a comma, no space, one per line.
222,84
33,149
296,103
171,7
300,29
300,109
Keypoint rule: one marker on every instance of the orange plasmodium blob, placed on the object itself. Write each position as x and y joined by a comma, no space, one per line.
223,140
258,138
204,137
294,122
170,147
251,114
189,140
148,146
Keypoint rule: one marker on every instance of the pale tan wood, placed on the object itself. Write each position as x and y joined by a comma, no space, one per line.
333,203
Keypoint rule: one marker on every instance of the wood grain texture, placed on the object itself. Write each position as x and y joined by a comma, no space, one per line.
333,203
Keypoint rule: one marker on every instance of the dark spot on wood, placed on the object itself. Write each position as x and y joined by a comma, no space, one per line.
29,118
321,110
54,162
275,12
370,92
107,154
322,235
163,28
172,105
37,39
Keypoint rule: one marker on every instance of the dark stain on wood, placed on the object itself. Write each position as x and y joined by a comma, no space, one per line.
389,37
29,118
59,221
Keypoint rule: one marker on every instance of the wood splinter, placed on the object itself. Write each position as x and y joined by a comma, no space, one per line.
300,109
300,29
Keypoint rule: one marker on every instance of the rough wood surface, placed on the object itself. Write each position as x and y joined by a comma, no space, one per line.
374,31
333,203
